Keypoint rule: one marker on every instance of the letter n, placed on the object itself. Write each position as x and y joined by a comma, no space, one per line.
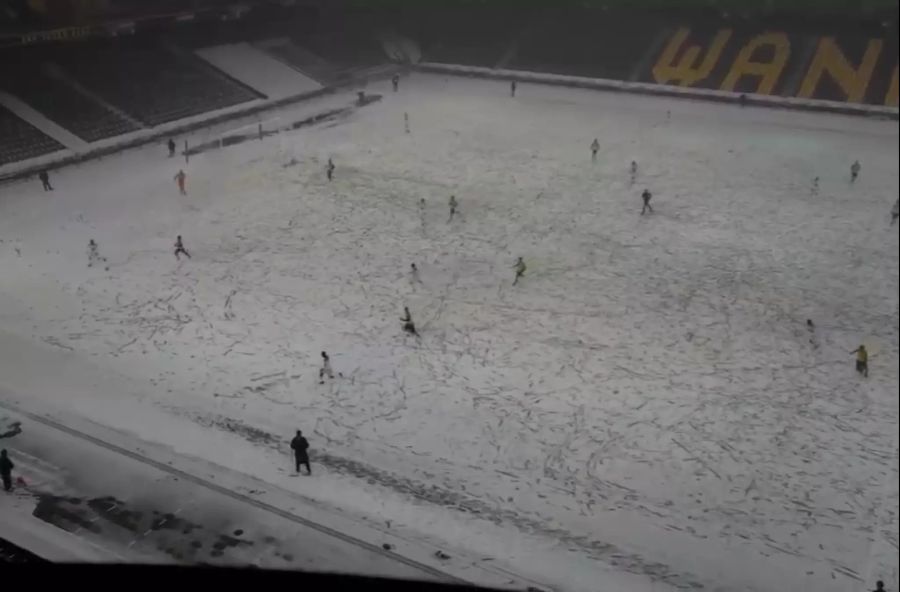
830,59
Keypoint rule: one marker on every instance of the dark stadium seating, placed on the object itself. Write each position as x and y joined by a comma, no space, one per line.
585,46
303,61
20,140
346,50
152,84
59,102
454,37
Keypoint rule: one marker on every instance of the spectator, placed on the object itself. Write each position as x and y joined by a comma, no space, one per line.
300,446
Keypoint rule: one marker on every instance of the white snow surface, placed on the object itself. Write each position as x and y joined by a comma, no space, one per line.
648,399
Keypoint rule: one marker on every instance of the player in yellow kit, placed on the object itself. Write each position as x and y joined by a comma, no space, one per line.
862,360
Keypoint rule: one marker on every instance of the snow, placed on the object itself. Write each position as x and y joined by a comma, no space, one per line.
645,409
258,70
109,506
42,539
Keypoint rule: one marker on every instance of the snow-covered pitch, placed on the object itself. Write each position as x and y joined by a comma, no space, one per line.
648,395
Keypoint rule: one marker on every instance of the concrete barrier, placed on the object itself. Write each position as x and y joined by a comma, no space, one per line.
661,90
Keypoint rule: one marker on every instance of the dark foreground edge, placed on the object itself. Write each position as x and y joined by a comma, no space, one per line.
118,576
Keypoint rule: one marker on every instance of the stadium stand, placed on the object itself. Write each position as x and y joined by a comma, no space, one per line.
453,37
59,102
328,58
584,45
20,140
347,50
302,60
152,84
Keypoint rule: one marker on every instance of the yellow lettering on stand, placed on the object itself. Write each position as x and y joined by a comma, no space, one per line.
830,59
769,72
686,71
891,98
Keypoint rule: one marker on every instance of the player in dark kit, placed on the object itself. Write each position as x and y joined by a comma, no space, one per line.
646,196
171,147
520,270
811,330
633,171
6,467
44,176
329,169
179,249
408,324
512,88
595,147
854,170
395,81
453,205
300,446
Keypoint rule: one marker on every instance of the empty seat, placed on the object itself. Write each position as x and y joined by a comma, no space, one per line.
152,84
20,140
88,119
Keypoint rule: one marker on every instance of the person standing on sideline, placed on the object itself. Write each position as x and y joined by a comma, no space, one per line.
395,81
44,176
6,467
180,178
329,169
512,88
854,170
171,147
862,360
646,196
179,249
325,370
520,270
595,147
300,446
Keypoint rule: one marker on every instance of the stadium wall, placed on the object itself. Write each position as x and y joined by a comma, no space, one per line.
842,63
663,90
